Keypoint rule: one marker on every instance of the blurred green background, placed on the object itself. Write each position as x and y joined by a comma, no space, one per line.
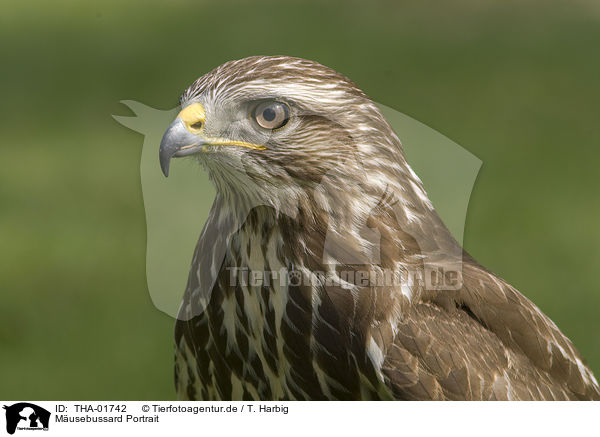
514,82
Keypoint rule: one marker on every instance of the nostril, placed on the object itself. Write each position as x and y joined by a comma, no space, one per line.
198,125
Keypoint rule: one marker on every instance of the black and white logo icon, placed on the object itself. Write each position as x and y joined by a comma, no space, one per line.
26,416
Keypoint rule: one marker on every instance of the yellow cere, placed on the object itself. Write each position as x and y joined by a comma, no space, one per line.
192,114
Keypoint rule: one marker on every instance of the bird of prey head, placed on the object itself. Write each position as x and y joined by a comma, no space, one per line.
302,139
270,128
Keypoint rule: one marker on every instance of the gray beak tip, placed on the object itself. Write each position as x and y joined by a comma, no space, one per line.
171,141
164,165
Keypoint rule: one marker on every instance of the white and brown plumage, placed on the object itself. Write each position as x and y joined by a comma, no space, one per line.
305,165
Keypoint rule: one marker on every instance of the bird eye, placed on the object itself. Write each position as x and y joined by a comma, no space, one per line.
271,115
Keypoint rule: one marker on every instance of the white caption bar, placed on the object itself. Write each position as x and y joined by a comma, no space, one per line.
300,418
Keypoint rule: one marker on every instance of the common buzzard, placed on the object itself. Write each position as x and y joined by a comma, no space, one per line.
324,272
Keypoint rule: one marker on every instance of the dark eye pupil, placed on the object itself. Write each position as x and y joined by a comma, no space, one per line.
269,114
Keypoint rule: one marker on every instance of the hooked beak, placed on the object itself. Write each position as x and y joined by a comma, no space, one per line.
177,141
185,136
